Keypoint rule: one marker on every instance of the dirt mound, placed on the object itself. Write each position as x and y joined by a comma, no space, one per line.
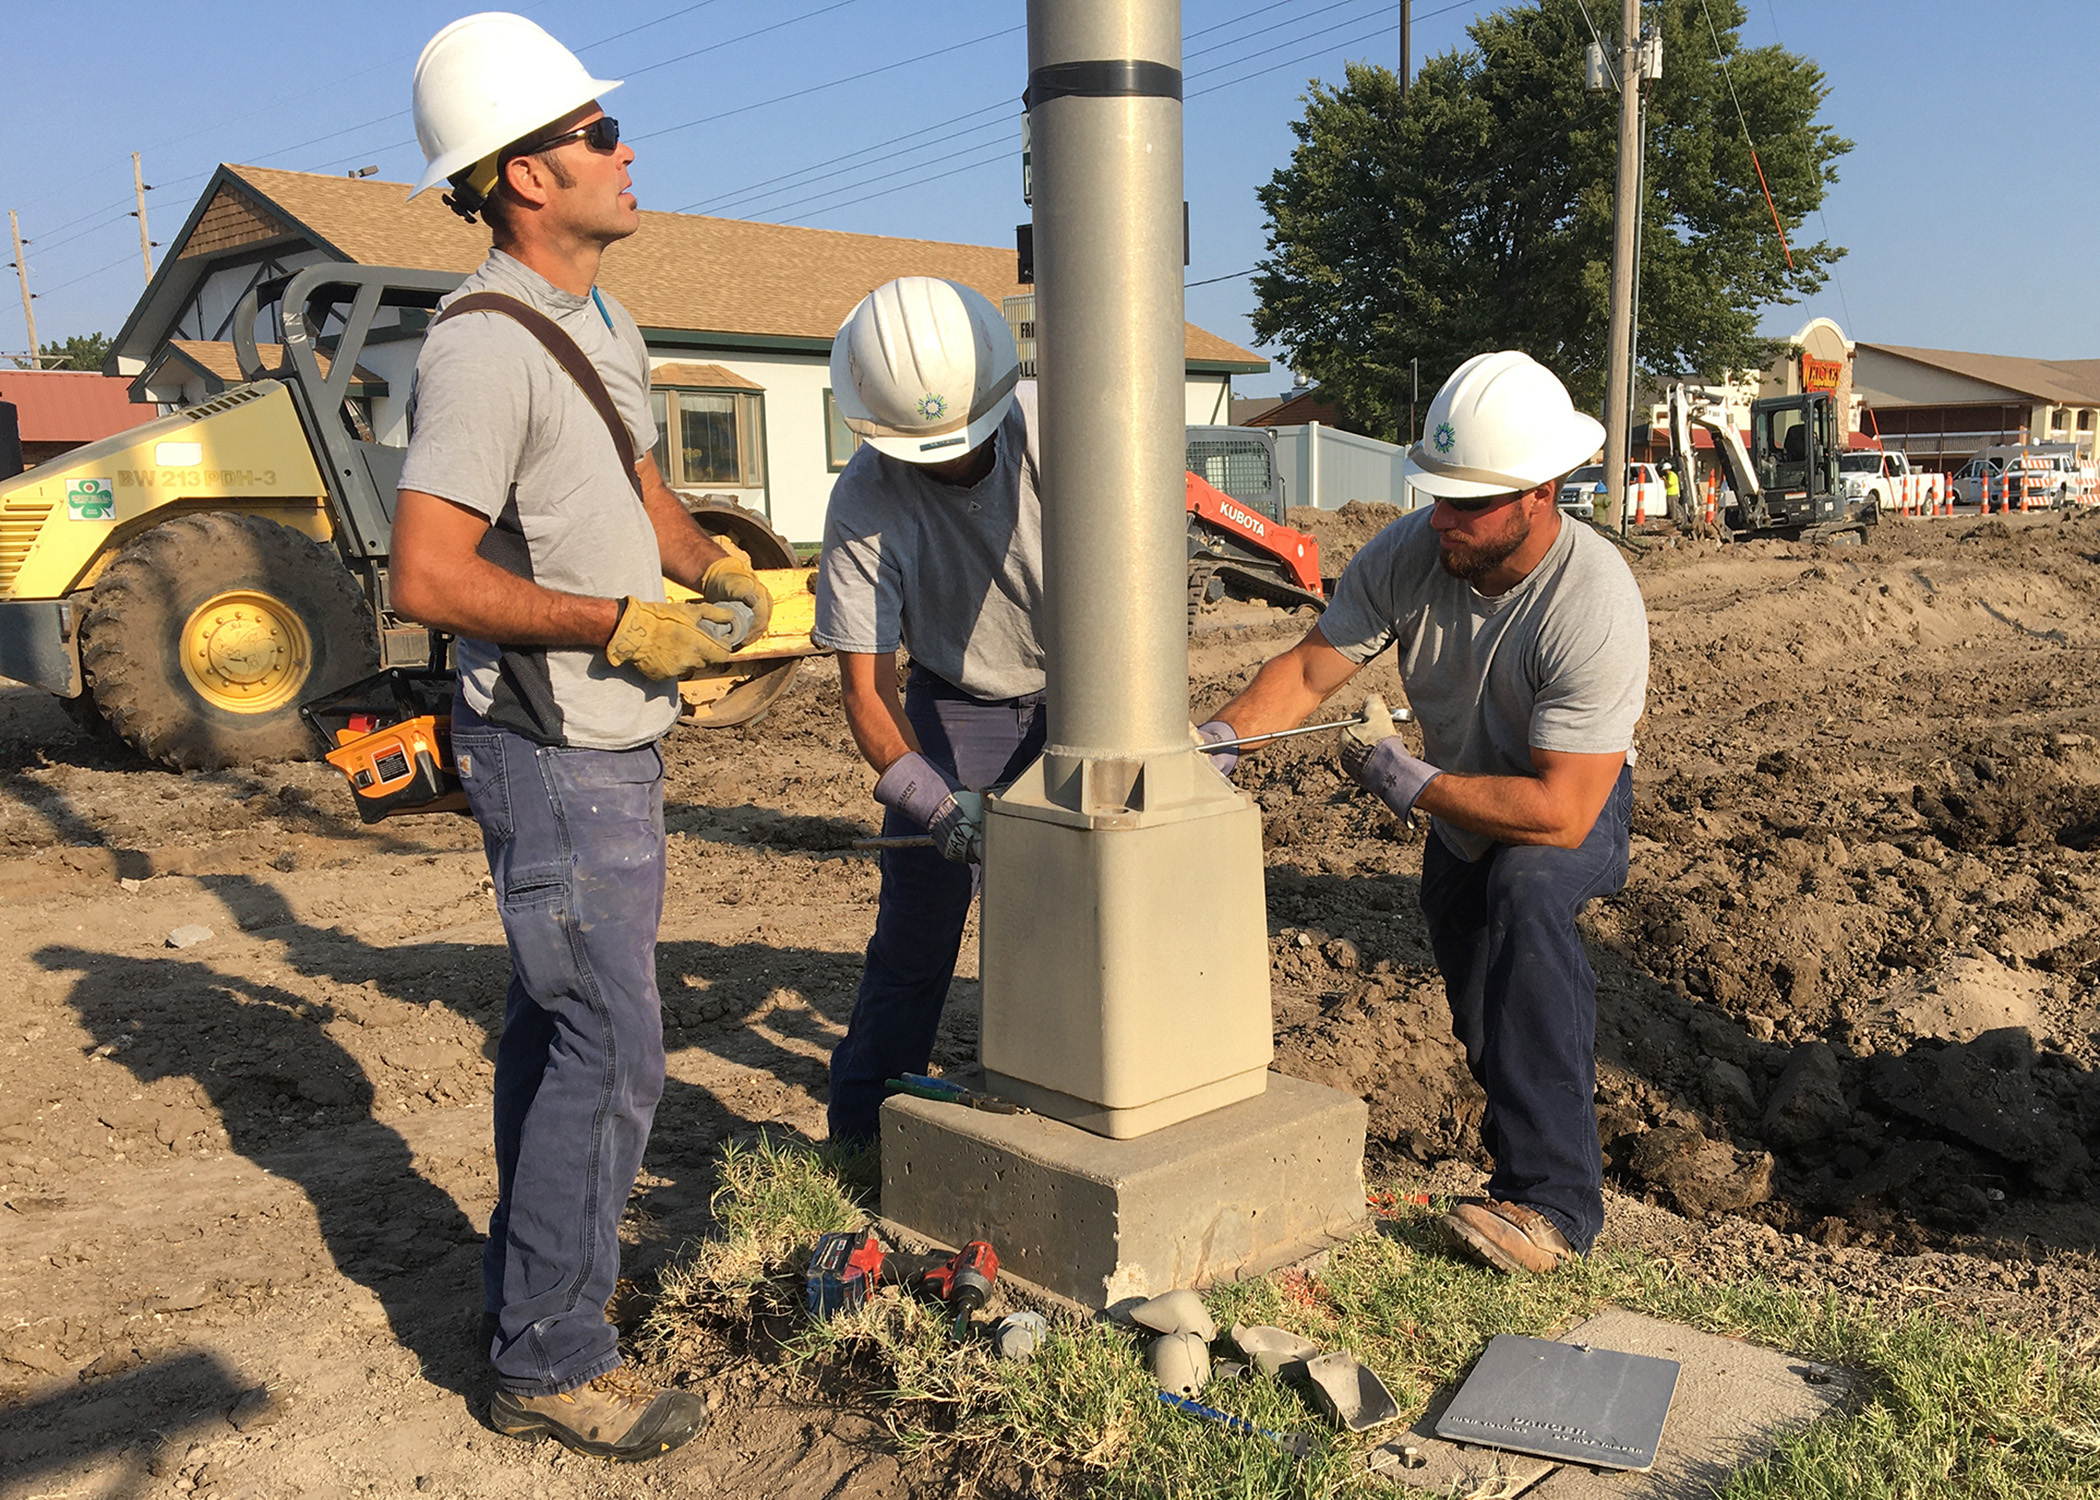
1342,532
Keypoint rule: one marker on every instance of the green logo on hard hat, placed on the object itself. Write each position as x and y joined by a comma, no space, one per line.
1444,437
932,408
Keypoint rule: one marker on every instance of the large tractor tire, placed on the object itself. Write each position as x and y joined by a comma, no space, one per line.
205,634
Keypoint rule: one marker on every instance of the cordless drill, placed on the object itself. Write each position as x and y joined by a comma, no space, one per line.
963,1281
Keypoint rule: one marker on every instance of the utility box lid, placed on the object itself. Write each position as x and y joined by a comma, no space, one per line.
1567,1401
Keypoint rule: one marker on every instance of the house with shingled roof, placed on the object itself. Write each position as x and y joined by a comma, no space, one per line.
738,318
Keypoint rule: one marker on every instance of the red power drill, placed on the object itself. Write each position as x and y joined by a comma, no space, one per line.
963,1281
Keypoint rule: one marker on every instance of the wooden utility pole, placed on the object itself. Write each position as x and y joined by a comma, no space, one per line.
1618,378
1407,47
138,186
22,271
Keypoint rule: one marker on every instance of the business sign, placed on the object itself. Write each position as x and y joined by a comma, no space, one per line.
1820,374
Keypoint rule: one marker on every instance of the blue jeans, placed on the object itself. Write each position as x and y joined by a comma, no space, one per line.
1524,1006
924,902
575,842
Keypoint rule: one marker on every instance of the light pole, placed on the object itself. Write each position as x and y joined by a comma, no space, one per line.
1618,377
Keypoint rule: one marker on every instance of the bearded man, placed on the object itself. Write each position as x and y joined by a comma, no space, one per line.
1523,646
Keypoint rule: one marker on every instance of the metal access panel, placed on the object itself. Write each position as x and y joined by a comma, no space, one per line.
1570,1402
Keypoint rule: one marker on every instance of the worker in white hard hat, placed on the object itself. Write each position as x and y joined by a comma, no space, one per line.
1523,646
933,545
529,528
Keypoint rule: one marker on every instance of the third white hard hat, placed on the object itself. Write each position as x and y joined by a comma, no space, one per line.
488,80
1502,422
924,369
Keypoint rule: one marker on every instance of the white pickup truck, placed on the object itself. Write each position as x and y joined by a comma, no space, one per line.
1889,483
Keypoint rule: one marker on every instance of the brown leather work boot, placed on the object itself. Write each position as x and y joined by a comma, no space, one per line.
618,1415
1507,1236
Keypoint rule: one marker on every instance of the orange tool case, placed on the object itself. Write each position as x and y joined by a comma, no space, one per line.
391,737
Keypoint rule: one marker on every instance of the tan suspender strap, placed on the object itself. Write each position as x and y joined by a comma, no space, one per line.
569,357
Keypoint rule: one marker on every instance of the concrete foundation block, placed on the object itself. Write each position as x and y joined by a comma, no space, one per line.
1238,1191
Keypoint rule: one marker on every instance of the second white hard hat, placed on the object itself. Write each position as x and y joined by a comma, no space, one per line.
924,369
1502,422
488,80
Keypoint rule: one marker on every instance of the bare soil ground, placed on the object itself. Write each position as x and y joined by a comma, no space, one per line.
1849,1024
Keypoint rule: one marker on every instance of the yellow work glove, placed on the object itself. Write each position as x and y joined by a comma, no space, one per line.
731,581
660,639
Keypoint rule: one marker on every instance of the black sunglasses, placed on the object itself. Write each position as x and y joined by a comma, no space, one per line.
601,135
1484,502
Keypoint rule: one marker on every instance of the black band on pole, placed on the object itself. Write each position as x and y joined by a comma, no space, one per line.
1105,78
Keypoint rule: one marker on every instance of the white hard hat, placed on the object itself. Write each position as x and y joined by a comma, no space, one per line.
488,80
1502,422
924,369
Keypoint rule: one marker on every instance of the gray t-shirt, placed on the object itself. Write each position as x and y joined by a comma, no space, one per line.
954,576
1560,662
503,430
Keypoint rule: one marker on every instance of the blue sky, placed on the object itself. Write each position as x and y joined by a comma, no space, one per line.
1967,203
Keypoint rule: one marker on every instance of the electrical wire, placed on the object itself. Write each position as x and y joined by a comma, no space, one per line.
1214,88
743,37
1598,37
1264,31
745,195
1005,149
630,31
1777,227
1214,280
1836,279
759,188
1003,154
818,88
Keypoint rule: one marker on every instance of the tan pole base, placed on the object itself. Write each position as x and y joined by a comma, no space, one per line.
1125,943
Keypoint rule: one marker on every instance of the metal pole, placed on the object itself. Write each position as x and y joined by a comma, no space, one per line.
1105,126
138,186
22,271
1633,337
1618,379
1407,48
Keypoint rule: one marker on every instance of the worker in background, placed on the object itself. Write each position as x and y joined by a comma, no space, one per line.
1673,489
932,544
1523,645
526,528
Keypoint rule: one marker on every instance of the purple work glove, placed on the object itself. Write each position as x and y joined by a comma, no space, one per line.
1376,758
1210,734
922,791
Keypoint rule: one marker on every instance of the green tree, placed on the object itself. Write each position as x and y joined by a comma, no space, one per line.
1479,215
83,351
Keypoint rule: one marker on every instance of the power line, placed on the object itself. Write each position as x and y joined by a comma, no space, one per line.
818,88
884,176
744,37
1836,279
1004,153
1215,68
1214,280
1279,26
630,31
757,189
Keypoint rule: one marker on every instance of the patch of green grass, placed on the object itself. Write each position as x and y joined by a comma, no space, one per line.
1944,1408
